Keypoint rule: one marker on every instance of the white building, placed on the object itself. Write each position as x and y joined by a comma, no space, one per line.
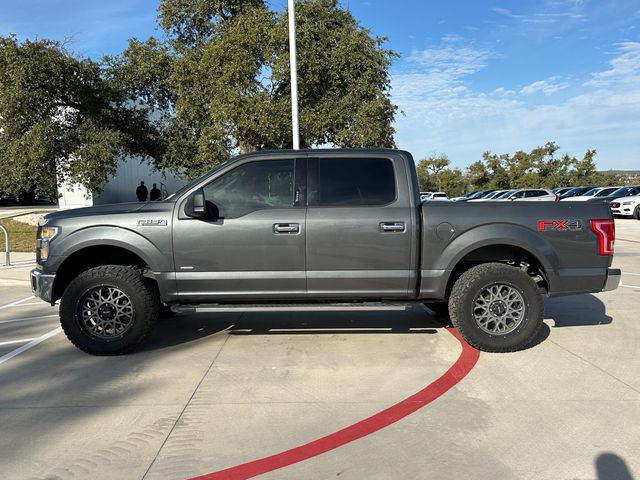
120,187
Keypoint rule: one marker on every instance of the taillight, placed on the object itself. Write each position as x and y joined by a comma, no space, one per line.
557,197
606,231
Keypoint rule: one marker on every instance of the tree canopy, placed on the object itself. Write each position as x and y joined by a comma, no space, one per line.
60,116
215,84
221,79
539,168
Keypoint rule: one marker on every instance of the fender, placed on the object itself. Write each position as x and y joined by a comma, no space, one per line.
436,277
125,238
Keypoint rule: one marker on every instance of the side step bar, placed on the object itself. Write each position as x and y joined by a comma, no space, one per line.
297,307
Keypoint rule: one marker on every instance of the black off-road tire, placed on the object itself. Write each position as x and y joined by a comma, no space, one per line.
463,301
129,280
441,309
636,213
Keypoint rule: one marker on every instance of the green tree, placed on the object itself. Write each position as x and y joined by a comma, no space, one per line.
538,168
60,118
453,182
477,176
222,80
429,172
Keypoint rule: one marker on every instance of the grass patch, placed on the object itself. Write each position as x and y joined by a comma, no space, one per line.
22,237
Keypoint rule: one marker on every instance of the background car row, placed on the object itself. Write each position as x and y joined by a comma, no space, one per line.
624,201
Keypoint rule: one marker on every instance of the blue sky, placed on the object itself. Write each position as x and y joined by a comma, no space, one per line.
474,75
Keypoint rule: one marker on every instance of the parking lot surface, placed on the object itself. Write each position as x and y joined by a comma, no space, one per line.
212,391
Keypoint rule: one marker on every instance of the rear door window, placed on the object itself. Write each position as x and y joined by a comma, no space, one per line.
355,181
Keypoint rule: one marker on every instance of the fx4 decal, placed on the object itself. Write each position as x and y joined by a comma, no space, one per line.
560,225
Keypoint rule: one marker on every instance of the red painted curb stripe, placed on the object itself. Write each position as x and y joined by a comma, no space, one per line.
625,240
465,363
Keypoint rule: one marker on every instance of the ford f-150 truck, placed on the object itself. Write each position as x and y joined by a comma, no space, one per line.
318,227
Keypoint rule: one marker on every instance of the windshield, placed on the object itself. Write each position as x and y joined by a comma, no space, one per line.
504,194
569,193
591,192
621,192
484,194
605,192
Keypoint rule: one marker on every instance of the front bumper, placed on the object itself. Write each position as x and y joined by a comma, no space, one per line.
613,279
42,284
623,210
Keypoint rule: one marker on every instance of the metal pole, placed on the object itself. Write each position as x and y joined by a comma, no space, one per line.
294,75
7,255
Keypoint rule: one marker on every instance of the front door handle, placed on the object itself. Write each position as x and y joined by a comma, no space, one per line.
290,228
392,226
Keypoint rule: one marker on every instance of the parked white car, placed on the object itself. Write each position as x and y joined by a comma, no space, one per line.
434,196
626,207
530,195
593,193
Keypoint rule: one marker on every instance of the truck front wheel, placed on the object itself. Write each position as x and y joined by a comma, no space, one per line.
496,307
108,310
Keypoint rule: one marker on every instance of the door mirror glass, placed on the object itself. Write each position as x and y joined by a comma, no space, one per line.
195,206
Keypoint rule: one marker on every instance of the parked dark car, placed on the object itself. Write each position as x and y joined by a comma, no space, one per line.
561,190
619,193
575,192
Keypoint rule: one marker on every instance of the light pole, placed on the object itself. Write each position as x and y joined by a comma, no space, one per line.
294,76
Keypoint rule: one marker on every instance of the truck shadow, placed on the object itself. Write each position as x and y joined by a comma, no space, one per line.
185,328
335,322
577,311
574,311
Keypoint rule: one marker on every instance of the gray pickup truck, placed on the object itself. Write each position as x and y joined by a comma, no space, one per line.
318,227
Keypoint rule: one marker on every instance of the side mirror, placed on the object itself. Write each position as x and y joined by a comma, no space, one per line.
195,206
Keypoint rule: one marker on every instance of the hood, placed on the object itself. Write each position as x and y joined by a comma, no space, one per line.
109,209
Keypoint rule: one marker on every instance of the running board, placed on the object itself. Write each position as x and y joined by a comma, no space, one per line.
298,307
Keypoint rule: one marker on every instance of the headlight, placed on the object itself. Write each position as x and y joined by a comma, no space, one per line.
46,235
627,203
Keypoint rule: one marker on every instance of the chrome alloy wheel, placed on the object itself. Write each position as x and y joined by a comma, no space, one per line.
499,308
105,312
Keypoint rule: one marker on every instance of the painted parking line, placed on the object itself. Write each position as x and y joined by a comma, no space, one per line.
628,286
25,319
42,303
627,240
30,345
463,365
13,342
17,302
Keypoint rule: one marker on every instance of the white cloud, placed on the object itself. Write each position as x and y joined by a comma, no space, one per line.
443,112
438,72
625,67
546,87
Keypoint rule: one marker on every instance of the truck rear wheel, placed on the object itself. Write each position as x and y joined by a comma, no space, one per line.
496,307
108,310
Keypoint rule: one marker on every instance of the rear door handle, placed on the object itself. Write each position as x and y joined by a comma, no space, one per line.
282,228
392,226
